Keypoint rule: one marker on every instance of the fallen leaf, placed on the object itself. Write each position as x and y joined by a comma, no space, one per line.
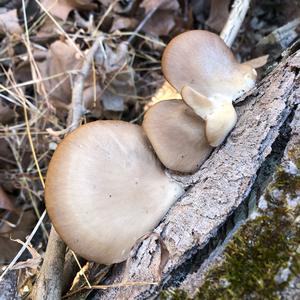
32,262
122,7
7,114
123,23
9,248
149,5
62,8
9,23
163,19
218,15
120,91
5,201
161,23
113,102
61,64
6,156
113,59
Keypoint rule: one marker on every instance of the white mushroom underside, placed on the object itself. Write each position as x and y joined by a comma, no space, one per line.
105,189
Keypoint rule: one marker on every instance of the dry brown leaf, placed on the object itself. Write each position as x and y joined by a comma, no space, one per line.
5,201
161,23
163,20
218,15
62,8
123,23
9,23
149,5
47,33
113,59
120,91
7,114
6,156
32,262
8,247
61,59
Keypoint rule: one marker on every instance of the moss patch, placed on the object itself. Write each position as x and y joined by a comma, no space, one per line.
264,255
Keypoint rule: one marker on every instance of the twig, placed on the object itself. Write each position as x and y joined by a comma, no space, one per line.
24,247
77,110
143,22
49,284
235,20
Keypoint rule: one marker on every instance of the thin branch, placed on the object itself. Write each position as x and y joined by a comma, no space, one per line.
235,20
77,109
49,284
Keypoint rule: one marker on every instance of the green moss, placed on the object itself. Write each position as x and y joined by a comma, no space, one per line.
261,248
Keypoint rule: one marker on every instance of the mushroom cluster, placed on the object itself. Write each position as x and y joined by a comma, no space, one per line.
105,186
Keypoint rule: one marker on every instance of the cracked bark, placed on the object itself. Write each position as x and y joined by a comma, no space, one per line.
214,192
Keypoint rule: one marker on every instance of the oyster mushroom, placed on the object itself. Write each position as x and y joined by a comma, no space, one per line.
105,189
204,70
177,135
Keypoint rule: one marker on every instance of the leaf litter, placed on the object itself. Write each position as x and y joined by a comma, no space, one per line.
124,80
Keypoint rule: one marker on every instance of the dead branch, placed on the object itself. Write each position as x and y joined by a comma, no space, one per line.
49,283
223,182
235,20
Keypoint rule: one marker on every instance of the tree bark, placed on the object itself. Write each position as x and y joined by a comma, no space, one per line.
215,191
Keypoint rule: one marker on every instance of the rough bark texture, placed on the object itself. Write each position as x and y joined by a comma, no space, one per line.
213,192
193,281
8,286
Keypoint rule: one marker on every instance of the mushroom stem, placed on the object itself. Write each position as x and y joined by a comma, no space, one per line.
219,115
235,20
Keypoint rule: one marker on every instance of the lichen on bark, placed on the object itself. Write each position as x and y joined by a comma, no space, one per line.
264,254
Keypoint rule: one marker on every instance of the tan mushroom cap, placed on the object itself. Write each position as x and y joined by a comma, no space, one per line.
219,116
105,189
177,135
201,60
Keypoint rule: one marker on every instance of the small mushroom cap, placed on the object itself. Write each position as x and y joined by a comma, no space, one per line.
177,135
201,60
219,116
105,189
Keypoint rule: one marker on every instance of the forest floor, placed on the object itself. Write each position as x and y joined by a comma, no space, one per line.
42,48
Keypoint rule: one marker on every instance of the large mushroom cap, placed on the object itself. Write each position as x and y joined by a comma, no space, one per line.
105,189
177,135
201,60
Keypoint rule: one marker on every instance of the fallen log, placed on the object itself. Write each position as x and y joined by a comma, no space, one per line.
215,191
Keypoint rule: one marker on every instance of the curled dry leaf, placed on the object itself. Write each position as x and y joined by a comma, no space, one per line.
5,201
62,8
148,5
123,7
112,60
7,114
23,228
61,65
123,23
163,20
218,15
120,91
32,262
9,23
